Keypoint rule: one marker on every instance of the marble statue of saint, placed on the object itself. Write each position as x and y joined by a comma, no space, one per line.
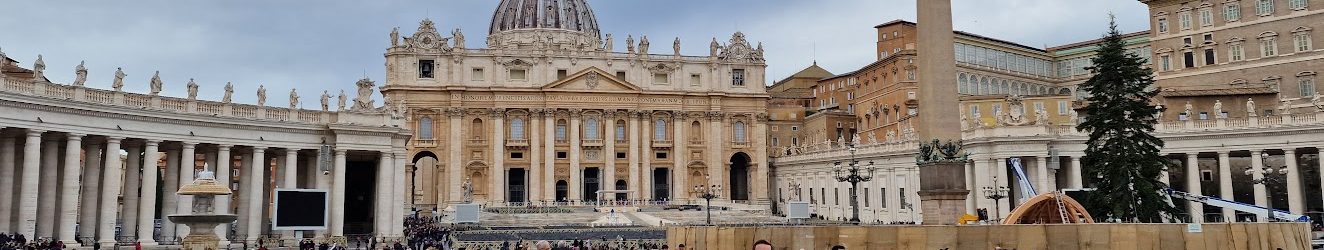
39,69
229,92
758,53
4,59
326,100
395,37
341,105
1189,107
675,45
643,45
261,95
1218,109
468,188
156,83
1250,106
192,89
294,98
80,74
629,44
1075,117
713,47
1317,102
1041,116
458,36
1285,106
118,84
607,46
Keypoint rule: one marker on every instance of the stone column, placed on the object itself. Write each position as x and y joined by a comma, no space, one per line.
69,190
1076,173
1294,200
168,197
132,176
454,172
382,211
398,220
634,161
549,153
982,177
498,170
224,163
972,199
49,188
147,205
7,157
1257,164
576,191
91,186
609,154
680,144
338,195
716,139
27,201
1003,181
1225,183
1196,209
290,176
646,157
187,164
256,191
110,192
535,158
1041,173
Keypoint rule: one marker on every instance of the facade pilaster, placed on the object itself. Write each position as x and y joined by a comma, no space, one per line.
147,204
716,166
1003,181
549,155
576,192
1077,175
338,195
398,219
382,206
760,178
646,156
1257,172
982,178
1294,202
110,192
634,154
608,179
1196,209
91,186
69,190
535,158
1041,174
679,144
50,173
187,166
498,170
454,171
7,167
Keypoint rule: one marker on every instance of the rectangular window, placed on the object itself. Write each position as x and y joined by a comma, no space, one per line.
1204,115
425,68
477,74
1209,56
997,109
661,155
620,155
1264,8
738,77
518,75
1167,62
1307,87
1162,25
561,74
903,198
1302,41
560,155
560,132
1232,11
1184,20
866,197
1186,40
1038,106
1268,47
836,196
1206,17
1236,52
883,195
661,78
974,111
1208,38
795,128
517,155
1188,59
1206,175
696,80
1063,107
620,133
1297,4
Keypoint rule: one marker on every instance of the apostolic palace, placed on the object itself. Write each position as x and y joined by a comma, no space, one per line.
554,113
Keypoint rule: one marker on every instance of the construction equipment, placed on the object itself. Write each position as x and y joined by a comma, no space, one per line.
1243,207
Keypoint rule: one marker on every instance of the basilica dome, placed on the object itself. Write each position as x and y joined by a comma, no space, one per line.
565,15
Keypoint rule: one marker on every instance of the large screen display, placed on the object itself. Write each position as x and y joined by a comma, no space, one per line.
300,209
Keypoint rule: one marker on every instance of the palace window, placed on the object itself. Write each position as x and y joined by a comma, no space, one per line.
1236,52
1063,107
1206,17
1302,41
1209,56
1184,20
560,130
1307,86
660,130
661,78
620,131
477,74
882,195
425,68
1264,8
591,129
739,129
1268,47
1162,24
1297,4
425,128
1232,11
738,77
1166,61
1188,59
517,129
866,197
518,75
974,111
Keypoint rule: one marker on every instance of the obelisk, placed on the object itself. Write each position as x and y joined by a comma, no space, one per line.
942,176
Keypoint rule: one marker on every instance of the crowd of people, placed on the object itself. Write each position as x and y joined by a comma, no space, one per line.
18,241
423,233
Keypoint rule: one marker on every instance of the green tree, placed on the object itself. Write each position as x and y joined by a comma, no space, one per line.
1123,157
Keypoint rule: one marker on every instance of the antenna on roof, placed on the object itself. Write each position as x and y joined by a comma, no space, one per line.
814,56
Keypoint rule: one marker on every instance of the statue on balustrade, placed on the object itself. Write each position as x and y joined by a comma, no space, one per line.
4,59
340,106
39,69
395,37
118,84
629,44
261,95
1285,107
1041,117
192,90
1189,107
1316,101
1250,106
294,98
326,101
676,46
607,46
458,37
80,74
643,45
1218,109
229,92
713,47
156,83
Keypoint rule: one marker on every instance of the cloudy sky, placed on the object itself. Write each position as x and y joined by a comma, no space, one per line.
317,45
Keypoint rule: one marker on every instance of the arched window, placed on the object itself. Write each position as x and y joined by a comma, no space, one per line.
517,129
983,86
425,128
696,131
620,131
476,130
591,129
660,130
1006,88
739,129
964,89
560,130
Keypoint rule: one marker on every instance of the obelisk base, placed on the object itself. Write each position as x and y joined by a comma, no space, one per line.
942,192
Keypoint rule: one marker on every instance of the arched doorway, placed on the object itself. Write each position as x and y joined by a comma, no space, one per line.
739,181
562,190
620,186
424,183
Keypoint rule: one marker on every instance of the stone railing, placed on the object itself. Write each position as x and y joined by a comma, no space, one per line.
79,94
834,150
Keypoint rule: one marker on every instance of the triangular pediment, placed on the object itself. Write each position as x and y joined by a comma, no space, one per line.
592,79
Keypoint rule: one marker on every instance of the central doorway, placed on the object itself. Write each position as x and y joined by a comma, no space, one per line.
591,184
515,185
661,184
739,177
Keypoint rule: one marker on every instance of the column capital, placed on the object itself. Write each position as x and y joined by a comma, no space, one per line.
188,144
35,132
259,148
1289,151
75,136
1254,152
151,142
497,113
225,147
291,150
116,139
386,154
341,151
1224,153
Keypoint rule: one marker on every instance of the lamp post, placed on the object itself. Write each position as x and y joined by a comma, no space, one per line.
708,193
1270,177
996,194
852,173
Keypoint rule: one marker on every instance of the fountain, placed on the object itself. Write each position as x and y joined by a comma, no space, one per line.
202,222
